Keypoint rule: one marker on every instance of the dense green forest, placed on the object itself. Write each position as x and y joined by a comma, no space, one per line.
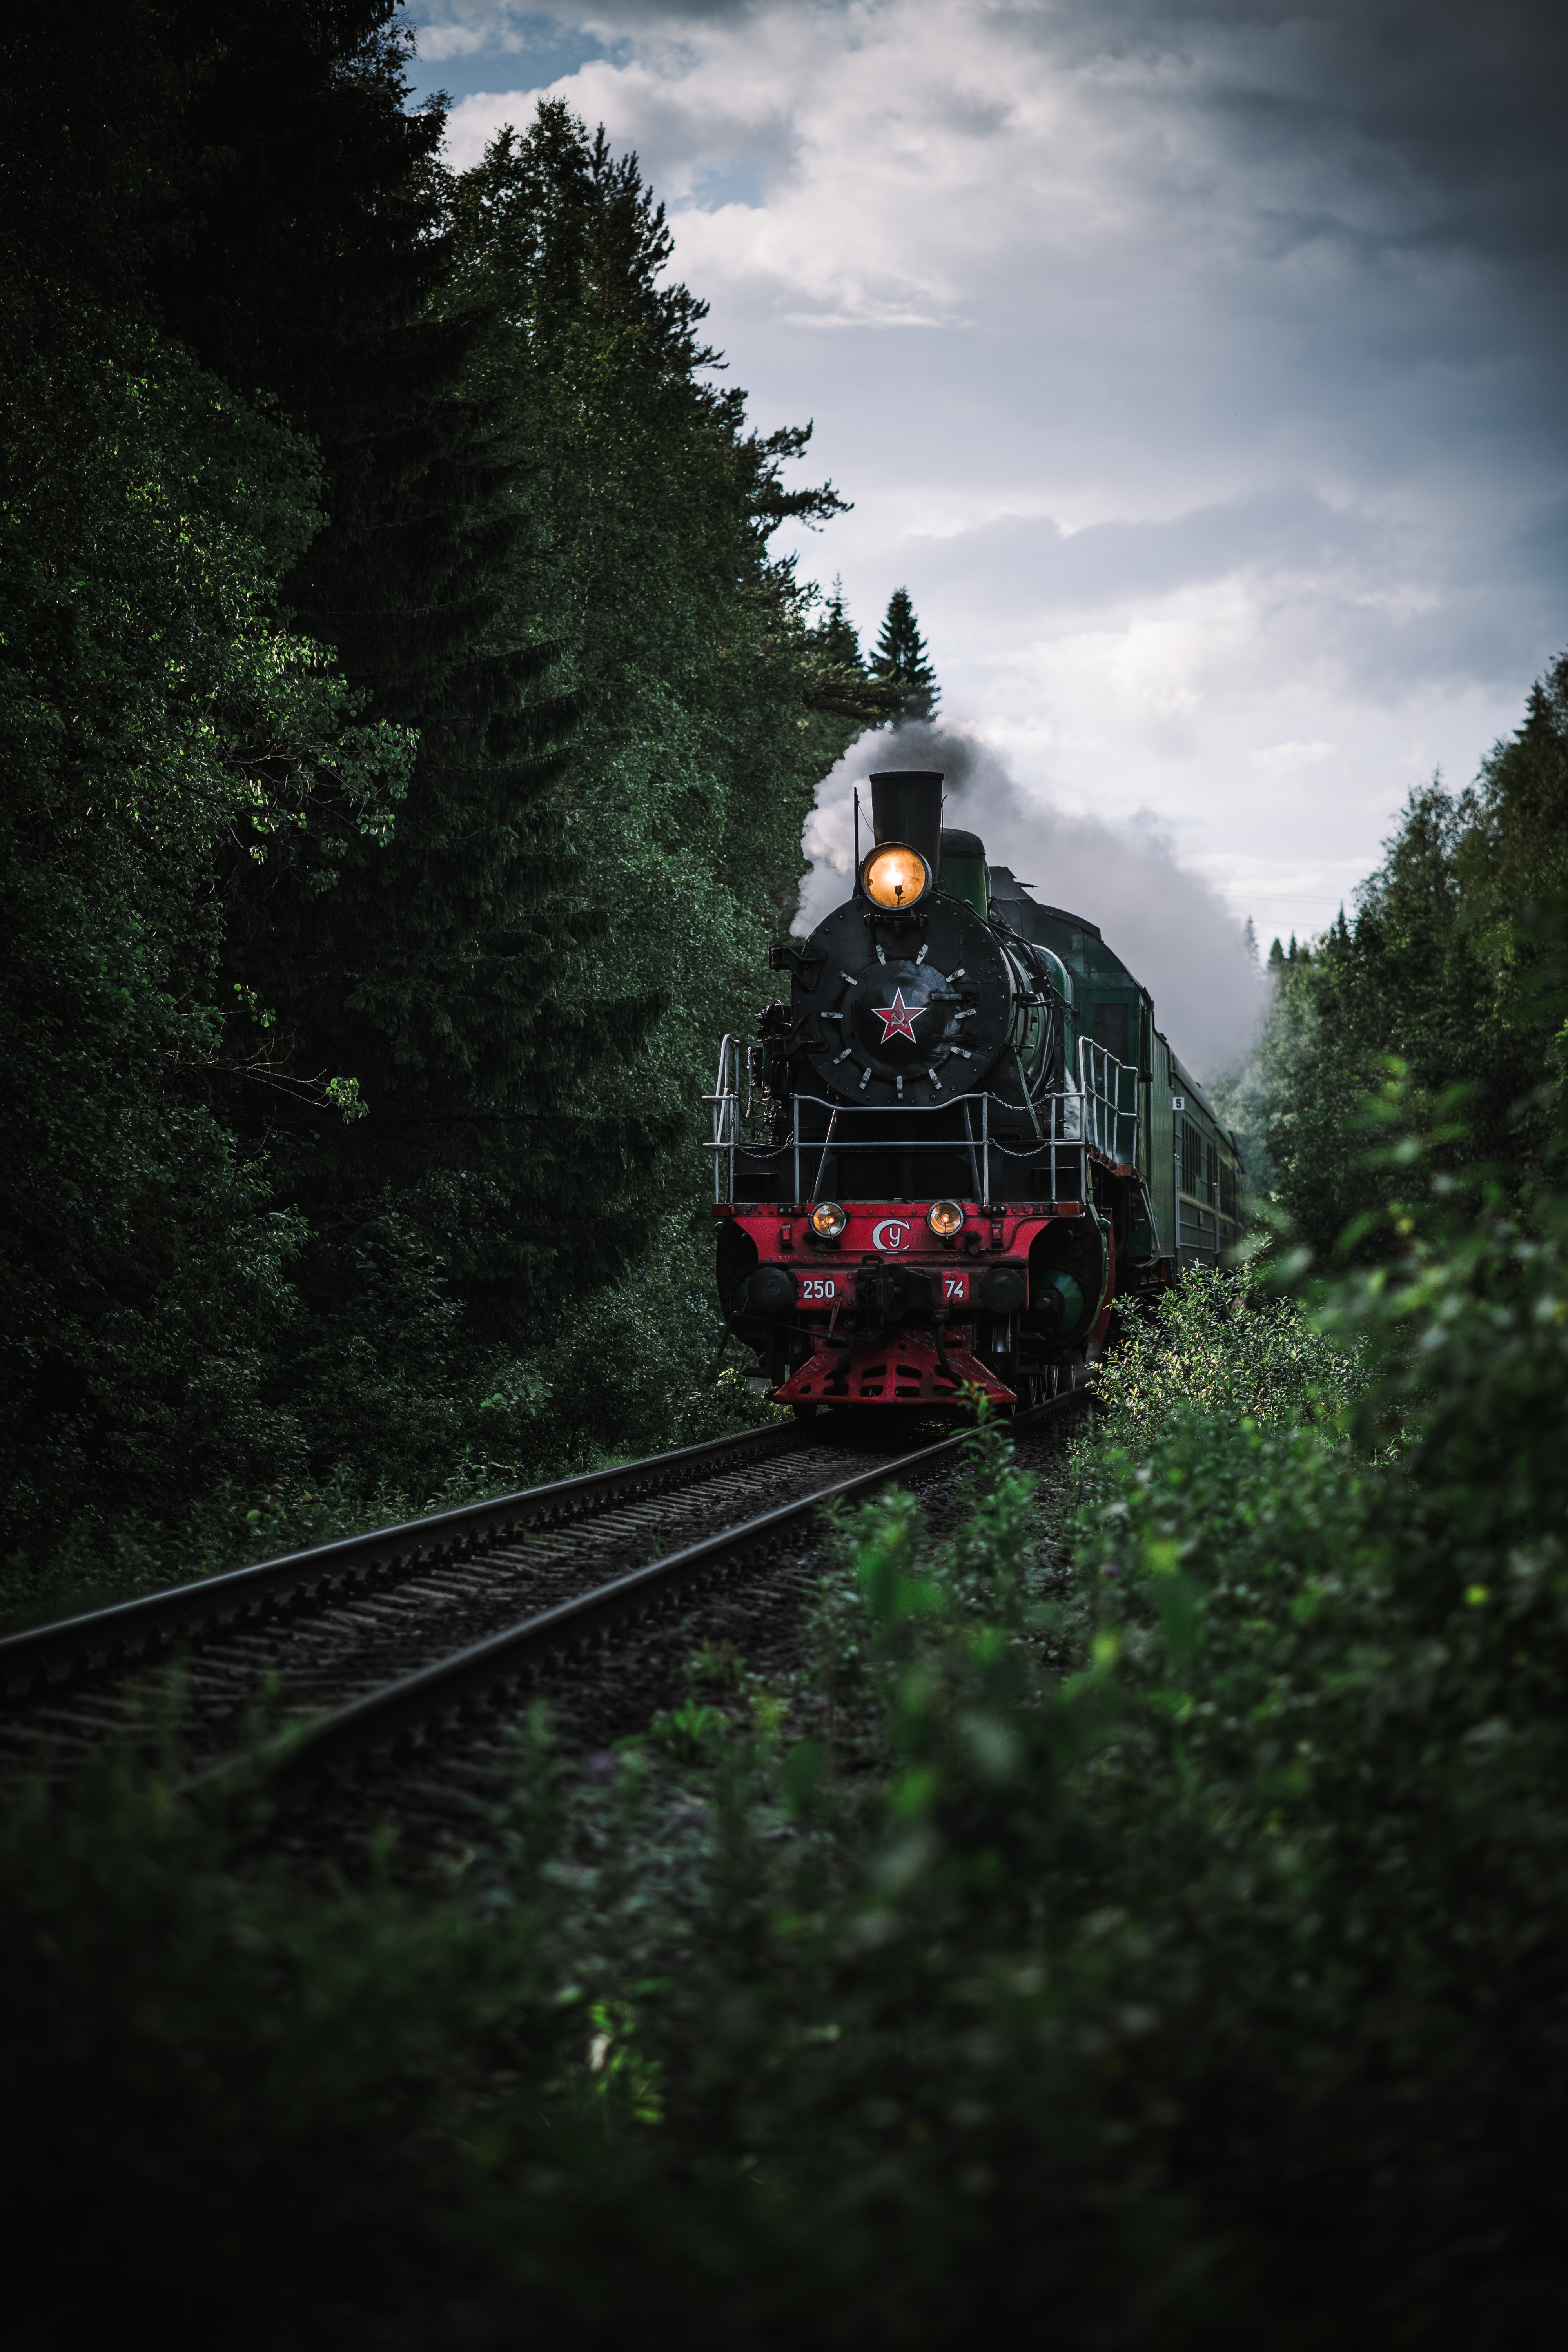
1446,981
406,734
1141,1921
1138,1911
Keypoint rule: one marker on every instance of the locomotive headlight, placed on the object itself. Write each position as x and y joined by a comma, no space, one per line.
828,1221
945,1218
894,876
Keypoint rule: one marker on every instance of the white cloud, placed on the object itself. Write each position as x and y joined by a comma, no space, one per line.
1194,369
1283,759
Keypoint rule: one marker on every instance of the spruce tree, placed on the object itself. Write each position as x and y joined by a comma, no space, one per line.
261,191
521,503
317,271
837,681
652,505
900,662
836,634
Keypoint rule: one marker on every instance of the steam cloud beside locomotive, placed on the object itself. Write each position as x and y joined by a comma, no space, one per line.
959,1144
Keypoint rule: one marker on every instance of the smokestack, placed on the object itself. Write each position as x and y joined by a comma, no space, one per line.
905,805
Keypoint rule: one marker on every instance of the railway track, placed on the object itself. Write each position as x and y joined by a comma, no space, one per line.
400,1643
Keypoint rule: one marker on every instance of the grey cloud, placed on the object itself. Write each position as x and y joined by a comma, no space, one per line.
1168,924
1438,123
663,12
1450,105
650,15
1049,570
1325,580
1543,545
510,26
1299,295
974,116
1368,191
1472,637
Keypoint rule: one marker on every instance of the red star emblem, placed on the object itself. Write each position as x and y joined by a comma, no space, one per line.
897,1020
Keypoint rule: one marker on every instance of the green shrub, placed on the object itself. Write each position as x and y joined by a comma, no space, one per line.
1156,1929
637,1372
1221,1344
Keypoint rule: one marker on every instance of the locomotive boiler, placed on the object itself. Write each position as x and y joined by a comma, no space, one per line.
959,1144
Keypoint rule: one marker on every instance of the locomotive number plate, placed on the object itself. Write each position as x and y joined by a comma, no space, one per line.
955,1286
819,1286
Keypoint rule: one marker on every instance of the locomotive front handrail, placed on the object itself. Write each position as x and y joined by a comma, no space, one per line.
1063,1132
726,1101
902,1111
1098,1115
1106,1084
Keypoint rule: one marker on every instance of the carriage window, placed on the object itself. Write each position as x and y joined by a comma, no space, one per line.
1192,1157
1111,1029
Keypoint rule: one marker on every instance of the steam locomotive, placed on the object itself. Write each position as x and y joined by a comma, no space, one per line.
961,1145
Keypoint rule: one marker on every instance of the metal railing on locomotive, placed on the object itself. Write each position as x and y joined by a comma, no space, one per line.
1099,1115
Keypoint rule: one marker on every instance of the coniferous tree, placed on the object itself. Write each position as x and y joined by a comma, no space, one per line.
836,681
686,644
900,662
319,271
150,703
519,501
1440,966
1512,874
836,634
253,180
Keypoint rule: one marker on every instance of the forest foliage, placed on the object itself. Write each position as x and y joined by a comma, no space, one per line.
407,730
1149,1915
1140,1912
1446,975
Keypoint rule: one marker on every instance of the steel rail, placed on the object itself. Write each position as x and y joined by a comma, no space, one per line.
155,1620
476,1676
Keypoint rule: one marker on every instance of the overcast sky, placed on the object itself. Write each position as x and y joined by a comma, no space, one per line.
1199,369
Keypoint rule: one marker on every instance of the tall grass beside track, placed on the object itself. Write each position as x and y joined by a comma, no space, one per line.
1152,1934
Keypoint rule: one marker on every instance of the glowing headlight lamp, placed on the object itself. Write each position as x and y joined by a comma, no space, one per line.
894,876
945,1218
828,1221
